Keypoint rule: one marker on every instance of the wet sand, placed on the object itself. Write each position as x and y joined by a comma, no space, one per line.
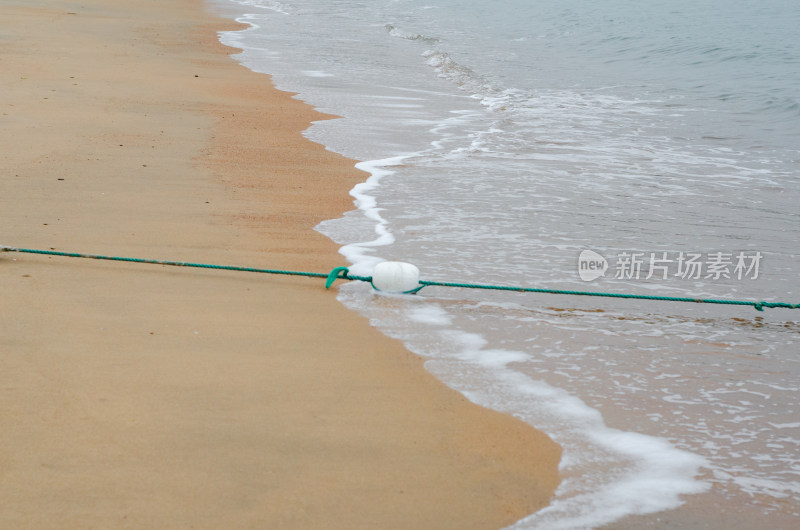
140,396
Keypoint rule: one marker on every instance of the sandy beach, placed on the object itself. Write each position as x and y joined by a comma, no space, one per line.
143,396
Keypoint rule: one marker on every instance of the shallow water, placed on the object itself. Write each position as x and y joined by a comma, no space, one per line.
505,139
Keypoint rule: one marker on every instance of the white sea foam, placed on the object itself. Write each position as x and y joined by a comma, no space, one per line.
317,73
430,314
361,254
650,474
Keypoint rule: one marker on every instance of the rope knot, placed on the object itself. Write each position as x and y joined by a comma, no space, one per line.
334,275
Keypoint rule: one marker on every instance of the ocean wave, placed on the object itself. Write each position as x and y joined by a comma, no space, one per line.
396,32
271,5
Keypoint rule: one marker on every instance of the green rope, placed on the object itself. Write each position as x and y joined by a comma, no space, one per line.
342,273
758,305
337,273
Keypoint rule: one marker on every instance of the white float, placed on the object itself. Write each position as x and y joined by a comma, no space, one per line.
396,277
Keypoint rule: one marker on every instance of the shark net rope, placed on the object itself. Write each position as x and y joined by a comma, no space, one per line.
343,273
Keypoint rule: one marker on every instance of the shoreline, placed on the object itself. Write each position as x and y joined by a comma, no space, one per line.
135,395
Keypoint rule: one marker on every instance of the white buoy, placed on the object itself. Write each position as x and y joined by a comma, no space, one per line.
395,277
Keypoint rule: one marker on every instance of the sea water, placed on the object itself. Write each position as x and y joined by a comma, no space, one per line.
619,146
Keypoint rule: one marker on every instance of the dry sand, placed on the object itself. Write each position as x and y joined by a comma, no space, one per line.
142,396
